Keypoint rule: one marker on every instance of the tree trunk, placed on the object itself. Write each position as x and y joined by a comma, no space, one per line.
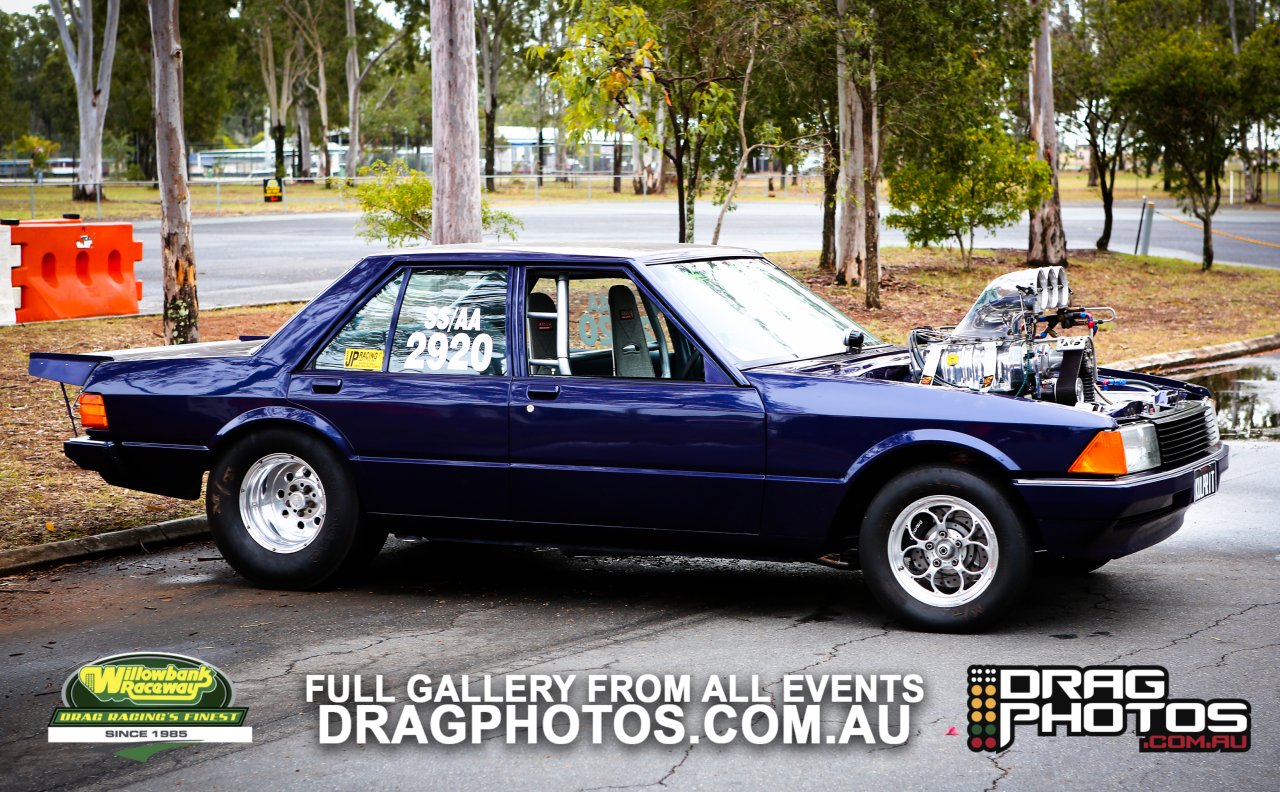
92,93
871,203
177,252
682,234
542,144
277,136
304,141
1093,167
322,103
456,197
1048,241
353,92
830,183
849,234
617,162
1207,244
1108,184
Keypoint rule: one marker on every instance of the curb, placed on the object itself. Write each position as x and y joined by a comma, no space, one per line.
1191,357
21,559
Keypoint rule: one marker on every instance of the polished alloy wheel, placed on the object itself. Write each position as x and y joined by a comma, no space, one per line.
282,503
943,551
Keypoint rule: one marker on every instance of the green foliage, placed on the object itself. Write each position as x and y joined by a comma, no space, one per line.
396,206
981,178
622,61
37,150
1189,101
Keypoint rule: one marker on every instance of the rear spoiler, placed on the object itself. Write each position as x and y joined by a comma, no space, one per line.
74,369
69,369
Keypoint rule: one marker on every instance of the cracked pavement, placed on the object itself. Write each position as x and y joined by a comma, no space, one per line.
1205,604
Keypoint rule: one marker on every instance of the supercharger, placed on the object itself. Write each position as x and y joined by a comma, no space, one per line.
1009,342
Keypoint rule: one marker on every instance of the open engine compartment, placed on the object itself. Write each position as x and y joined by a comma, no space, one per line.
1016,341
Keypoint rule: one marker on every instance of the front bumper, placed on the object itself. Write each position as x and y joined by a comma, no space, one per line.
173,470
1110,518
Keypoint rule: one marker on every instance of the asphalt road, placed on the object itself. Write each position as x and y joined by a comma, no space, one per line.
1205,604
292,257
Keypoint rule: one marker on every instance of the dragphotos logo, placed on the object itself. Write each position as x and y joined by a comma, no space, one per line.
1099,701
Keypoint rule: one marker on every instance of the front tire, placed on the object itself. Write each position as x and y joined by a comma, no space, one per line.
944,550
284,512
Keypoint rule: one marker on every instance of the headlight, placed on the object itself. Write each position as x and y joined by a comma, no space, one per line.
1211,422
1114,453
1141,448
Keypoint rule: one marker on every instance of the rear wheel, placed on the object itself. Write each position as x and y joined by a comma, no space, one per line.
283,510
944,550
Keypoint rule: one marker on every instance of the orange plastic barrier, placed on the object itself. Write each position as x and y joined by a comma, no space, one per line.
71,269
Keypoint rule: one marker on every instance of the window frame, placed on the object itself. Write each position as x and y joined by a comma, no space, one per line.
407,268
714,372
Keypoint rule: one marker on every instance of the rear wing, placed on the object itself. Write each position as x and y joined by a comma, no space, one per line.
75,369
69,369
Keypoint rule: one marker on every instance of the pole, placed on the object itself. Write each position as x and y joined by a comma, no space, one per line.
1142,215
1144,238
1231,187
33,200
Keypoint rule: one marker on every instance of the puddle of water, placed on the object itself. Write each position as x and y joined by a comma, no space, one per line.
1247,393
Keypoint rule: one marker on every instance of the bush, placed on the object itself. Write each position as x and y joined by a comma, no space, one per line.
396,204
981,178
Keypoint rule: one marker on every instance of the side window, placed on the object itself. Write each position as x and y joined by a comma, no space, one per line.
361,342
609,329
452,321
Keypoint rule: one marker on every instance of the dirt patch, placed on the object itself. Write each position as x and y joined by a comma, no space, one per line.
1163,304
43,496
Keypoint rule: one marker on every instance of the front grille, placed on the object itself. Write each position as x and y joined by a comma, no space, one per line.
1184,434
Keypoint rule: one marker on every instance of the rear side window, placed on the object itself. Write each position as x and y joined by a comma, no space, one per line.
362,341
452,321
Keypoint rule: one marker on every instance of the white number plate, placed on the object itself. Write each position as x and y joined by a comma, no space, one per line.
1206,482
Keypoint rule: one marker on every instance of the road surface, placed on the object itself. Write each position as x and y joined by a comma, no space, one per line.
270,258
1205,604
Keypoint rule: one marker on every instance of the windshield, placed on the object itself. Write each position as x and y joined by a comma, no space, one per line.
759,313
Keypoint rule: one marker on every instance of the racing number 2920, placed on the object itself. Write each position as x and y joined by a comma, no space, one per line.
468,353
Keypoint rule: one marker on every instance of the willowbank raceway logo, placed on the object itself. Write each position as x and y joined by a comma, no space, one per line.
1098,701
165,700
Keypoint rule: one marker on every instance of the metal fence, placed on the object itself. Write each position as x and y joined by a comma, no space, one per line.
236,195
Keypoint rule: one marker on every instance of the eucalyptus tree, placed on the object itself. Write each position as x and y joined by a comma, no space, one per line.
93,87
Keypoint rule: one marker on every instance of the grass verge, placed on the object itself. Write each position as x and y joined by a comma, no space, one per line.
1163,305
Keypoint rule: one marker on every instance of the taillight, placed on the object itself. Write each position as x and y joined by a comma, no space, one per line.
1104,454
93,412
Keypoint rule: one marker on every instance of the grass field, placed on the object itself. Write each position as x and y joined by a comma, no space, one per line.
1163,305
127,201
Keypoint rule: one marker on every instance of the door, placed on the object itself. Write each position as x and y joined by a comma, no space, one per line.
418,381
621,421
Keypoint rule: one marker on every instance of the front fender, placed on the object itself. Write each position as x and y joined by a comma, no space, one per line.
916,437
282,415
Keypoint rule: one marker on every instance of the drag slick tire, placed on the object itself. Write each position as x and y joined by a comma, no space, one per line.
283,510
944,550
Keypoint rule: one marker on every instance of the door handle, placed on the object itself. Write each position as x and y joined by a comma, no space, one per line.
326,385
543,392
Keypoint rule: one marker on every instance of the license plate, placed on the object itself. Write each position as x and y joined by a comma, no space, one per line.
1206,482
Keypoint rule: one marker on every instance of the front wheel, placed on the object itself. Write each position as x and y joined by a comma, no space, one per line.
944,550
283,510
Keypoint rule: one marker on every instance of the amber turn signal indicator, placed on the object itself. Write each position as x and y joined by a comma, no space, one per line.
1104,455
93,412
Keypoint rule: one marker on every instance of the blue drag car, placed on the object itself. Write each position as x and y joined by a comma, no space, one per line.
676,399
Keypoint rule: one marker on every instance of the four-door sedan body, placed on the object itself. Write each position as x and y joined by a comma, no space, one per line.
677,399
